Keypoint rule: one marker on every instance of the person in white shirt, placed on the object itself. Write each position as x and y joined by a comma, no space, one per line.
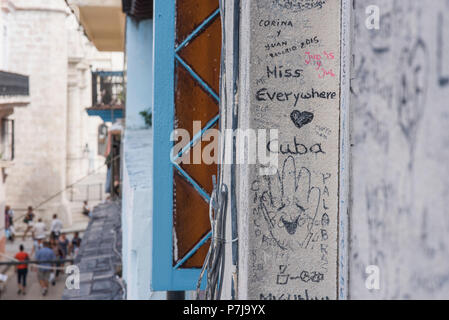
39,230
56,227
39,233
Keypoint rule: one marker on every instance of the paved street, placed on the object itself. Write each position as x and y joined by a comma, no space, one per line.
79,222
33,288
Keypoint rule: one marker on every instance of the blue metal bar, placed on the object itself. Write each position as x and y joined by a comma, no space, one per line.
198,29
166,276
198,78
194,250
197,187
162,278
209,125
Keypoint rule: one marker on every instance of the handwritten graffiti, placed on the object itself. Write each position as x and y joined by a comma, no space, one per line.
305,276
317,60
289,205
414,73
300,119
443,80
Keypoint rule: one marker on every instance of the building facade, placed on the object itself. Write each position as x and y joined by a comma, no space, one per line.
56,141
14,94
40,164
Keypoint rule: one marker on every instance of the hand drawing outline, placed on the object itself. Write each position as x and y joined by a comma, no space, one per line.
288,202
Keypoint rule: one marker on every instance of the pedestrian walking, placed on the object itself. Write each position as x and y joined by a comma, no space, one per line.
39,234
39,230
46,259
56,227
22,270
63,243
28,220
9,223
63,248
75,244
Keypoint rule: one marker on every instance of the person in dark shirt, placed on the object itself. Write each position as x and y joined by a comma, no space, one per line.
75,245
86,209
62,251
9,223
28,220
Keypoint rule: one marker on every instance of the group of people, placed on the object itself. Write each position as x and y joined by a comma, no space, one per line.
49,252
9,223
28,220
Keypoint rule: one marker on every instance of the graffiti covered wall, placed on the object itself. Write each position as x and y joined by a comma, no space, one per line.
400,115
292,213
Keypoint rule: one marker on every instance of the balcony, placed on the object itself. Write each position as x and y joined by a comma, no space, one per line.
108,95
14,89
103,21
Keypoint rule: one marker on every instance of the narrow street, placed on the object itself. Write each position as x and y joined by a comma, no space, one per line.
79,222
33,287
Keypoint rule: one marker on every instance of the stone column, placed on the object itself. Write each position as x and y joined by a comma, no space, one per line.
289,214
85,102
74,148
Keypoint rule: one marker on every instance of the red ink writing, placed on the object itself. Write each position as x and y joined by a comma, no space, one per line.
317,60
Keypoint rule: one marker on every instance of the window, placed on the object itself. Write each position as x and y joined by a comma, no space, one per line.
186,86
7,140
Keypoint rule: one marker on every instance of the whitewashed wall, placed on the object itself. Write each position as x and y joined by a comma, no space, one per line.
399,219
397,156
45,42
37,41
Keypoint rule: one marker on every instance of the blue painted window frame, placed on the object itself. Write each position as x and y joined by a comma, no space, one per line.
165,276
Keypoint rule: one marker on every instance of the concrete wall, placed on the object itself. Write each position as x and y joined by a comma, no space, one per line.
139,52
137,165
399,219
37,42
288,218
397,128
137,215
